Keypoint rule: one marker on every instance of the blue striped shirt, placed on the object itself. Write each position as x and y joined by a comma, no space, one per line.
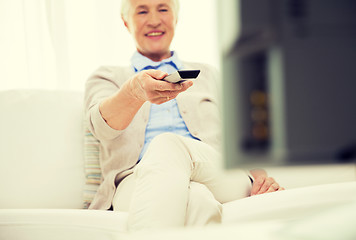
164,117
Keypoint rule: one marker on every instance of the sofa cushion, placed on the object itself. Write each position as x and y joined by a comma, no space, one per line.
290,204
28,224
41,149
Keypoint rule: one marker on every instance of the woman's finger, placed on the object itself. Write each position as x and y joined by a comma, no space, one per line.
167,86
274,187
266,185
155,74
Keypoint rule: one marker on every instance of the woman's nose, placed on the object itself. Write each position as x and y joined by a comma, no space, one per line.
154,19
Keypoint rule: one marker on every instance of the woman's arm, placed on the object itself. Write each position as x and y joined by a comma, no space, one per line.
119,109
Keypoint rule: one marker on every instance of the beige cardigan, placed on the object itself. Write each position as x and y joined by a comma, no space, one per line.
119,150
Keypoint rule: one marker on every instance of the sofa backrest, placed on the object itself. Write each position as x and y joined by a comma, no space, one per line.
41,149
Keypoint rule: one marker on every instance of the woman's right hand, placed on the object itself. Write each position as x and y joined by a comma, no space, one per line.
148,86
119,109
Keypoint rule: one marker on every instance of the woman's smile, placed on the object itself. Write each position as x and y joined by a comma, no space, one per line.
155,34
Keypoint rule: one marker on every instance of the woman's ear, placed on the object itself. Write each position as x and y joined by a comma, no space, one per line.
125,23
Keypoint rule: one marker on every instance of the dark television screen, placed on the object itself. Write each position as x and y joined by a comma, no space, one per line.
289,81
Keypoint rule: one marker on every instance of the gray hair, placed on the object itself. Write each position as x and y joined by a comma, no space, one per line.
125,7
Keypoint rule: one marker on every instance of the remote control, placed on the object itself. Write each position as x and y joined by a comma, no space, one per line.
182,75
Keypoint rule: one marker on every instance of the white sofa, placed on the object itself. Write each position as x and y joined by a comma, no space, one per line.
42,181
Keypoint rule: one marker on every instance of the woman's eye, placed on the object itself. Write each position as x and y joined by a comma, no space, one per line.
163,10
142,12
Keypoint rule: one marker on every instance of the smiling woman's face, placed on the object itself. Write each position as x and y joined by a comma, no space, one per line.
152,25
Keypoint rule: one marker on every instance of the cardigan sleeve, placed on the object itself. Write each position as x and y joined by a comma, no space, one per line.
100,85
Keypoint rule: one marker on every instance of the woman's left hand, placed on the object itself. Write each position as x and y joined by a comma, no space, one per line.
263,183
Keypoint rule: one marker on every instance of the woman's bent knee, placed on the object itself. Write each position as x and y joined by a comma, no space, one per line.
167,149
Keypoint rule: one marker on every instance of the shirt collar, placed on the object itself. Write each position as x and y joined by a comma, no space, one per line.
140,62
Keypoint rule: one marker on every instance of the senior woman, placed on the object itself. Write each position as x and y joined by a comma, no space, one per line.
159,141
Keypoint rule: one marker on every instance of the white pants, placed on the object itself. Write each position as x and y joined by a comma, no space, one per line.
178,182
